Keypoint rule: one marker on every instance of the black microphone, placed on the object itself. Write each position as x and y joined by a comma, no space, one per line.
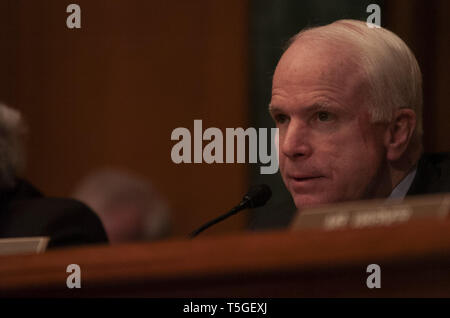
257,196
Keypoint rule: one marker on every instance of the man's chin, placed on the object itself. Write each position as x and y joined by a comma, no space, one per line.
308,201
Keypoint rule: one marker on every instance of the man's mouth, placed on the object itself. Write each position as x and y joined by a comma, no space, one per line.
305,178
305,182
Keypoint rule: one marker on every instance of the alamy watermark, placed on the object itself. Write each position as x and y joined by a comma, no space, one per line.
213,152
74,279
73,21
374,279
374,19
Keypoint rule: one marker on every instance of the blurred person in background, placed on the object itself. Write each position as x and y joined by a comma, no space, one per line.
129,206
24,211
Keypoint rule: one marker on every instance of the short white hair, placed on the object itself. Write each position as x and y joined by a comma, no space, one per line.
391,68
12,150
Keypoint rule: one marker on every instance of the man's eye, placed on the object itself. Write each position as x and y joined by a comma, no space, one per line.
324,116
281,119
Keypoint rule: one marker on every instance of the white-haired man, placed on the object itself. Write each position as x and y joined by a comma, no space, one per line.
347,100
24,211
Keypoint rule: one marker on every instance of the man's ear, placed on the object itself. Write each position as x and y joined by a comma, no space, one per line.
399,133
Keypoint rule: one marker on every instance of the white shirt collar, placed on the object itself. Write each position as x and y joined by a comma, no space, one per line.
402,188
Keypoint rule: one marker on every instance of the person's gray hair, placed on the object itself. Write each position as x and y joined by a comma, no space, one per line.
391,68
12,150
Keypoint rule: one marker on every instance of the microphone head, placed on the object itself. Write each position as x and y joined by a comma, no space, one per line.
257,196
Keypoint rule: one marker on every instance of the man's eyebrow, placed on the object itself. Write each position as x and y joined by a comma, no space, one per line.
317,107
272,108
308,109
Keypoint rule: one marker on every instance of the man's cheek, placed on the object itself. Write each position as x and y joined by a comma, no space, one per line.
282,170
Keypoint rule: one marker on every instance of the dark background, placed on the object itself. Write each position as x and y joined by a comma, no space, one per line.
110,93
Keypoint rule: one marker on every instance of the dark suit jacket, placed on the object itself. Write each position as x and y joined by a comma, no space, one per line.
24,211
433,175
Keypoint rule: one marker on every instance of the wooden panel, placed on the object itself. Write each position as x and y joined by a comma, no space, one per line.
414,260
112,92
424,26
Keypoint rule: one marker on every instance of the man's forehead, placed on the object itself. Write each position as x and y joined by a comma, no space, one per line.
313,68
317,59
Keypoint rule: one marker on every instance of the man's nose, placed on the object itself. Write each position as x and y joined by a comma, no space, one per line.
295,140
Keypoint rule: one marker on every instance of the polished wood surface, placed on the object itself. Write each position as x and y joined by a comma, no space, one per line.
414,260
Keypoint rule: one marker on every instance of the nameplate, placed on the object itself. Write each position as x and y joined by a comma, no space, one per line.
23,245
370,213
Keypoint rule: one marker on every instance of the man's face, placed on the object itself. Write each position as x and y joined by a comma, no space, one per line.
329,150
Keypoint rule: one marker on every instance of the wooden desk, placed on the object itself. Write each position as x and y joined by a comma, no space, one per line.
414,260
